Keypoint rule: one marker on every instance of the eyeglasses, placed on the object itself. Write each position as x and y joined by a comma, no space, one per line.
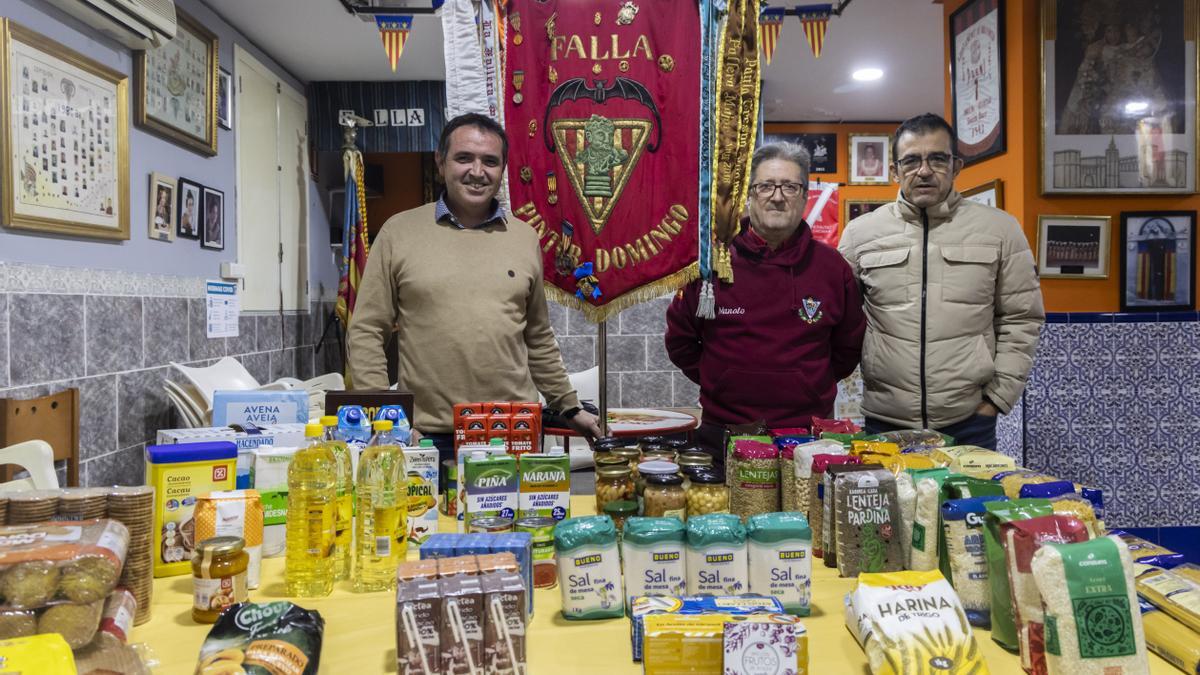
938,162
767,190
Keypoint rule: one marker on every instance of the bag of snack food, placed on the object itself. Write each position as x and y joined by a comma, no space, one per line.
820,426
962,522
1004,629
1022,539
75,561
1092,621
274,638
910,440
912,622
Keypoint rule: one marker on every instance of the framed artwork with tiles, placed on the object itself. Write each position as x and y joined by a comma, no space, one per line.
1073,247
175,93
1158,261
64,138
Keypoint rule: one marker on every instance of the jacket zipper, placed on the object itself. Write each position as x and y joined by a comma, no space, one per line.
924,282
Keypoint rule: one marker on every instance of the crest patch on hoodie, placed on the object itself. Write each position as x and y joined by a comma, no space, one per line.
810,310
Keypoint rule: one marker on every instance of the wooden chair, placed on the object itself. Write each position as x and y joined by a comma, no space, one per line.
53,418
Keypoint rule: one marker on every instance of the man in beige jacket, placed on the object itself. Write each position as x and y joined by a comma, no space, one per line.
462,282
951,294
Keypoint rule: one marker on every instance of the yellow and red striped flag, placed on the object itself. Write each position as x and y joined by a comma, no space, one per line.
770,23
393,30
815,19
355,241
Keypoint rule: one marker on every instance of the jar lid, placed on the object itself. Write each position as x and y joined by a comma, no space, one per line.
707,477
664,479
651,440
609,459
657,467
695,459
679,444
626,453
606,443
648,448
621,507
659,456
221,545
613,470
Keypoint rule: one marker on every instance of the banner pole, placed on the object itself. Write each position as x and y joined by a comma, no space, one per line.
602,363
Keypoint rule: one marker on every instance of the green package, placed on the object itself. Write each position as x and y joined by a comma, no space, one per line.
1004,628
920,536
1096,588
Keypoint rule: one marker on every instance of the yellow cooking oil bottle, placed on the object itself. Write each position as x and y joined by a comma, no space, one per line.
343,538
312,496
381,526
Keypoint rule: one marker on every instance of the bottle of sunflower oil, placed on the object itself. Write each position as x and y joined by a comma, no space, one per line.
312,485
343,538
381,526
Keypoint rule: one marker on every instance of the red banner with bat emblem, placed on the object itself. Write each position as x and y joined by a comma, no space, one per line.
602,106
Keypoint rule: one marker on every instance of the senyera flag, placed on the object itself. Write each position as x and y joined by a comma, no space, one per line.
602,107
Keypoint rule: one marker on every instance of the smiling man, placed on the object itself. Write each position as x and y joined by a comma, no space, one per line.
951,294
461,281
788,328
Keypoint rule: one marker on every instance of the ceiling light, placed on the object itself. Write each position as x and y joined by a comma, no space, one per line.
867,74
1136,107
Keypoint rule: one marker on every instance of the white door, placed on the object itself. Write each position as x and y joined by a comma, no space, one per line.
258,179
293,197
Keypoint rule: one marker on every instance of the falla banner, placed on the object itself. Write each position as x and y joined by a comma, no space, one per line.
602,106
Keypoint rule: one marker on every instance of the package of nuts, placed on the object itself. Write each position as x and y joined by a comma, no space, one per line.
753,478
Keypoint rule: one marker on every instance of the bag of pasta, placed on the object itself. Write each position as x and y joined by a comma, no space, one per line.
274,638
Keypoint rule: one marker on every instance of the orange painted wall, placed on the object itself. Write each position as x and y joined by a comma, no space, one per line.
843,131
1018,167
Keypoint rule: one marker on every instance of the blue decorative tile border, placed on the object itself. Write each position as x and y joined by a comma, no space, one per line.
1121,317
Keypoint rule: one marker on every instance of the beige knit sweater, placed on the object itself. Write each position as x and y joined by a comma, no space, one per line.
471,313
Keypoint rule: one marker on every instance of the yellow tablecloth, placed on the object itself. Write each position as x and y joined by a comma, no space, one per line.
360,633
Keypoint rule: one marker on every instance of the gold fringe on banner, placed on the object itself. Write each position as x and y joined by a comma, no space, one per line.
644,293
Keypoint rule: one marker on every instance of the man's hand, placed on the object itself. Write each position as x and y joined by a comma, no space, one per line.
415,439
586,424
987,409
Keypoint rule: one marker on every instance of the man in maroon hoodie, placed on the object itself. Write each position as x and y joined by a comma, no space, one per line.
789,327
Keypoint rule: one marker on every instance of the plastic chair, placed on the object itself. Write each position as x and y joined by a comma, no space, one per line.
36,457
326,382
228,373
186,414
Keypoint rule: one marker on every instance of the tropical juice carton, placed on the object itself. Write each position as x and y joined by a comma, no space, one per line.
422,463
491,487
545,485
180,473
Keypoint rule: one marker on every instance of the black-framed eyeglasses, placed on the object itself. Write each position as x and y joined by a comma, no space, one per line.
939,162
766,190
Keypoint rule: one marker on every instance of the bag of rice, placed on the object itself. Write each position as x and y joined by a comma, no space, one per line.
915,440
802,460
1147,553
829,507
1174,642
962,521
788,495
906,498
589,568
780,558
753,478
816,491
716,555
958,486
867,522
926,519
1022,539
653,557
912,622
981,463
1175,591
1092,622
1004,629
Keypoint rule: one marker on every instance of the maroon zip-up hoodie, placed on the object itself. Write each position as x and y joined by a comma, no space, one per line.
789,327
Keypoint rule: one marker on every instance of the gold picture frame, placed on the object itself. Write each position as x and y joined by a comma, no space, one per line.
175,87
1093,139
990,193
879,170
853,208
1073,247
64,141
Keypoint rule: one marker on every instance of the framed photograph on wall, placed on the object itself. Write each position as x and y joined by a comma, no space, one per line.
822,148
213,231
161,216
225,99
977,79
1073,247
858,207
990,194
64,139
191,203
870,159
1119,97
175,87
1158,261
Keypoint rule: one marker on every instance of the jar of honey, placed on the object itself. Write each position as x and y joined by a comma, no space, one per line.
218,577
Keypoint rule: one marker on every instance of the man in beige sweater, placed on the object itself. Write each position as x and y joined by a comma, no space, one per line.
462,282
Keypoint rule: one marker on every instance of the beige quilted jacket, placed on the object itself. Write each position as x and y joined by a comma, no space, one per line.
953,309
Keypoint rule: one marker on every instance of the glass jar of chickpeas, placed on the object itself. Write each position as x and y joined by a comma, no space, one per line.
613,483
707,493
664,496
631,455
691,461
646,469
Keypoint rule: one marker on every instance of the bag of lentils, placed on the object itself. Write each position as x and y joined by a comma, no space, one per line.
753,478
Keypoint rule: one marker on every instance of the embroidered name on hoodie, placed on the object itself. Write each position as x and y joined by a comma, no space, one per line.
731,310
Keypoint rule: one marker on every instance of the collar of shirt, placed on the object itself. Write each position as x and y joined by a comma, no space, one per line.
441,212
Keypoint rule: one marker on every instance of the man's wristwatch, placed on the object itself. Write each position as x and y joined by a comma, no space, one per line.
570,413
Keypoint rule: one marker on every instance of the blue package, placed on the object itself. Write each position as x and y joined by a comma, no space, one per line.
1096,497
520,544
353,424
440,545
259,408
475,543
1049,490
738,605
1149,553
971,510
401,429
